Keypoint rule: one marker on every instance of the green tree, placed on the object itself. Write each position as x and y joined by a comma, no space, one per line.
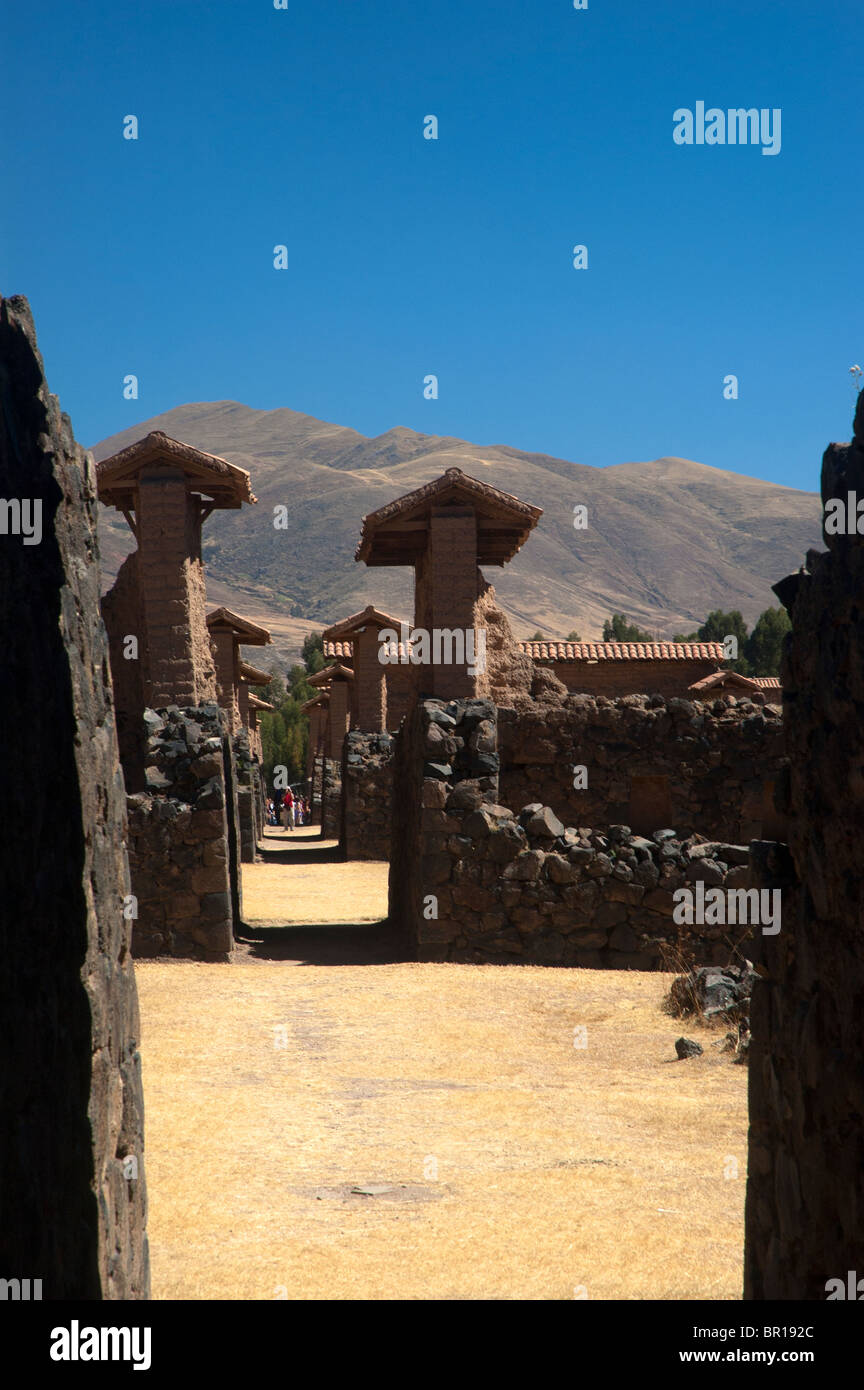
618,629
764,646
538,637
573,636
313,653
719,625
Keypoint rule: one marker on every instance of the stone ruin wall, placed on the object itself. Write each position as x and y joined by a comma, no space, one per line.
331,798
805,1216
250,797
180,837
367,795
72,1185
123,617
524,887
650,762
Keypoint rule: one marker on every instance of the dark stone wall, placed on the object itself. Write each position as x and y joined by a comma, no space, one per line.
72,1191
805,1214
250,798
331,799
179,848
473,881
367,795
650,762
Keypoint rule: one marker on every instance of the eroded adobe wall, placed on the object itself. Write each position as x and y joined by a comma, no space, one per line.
473,881
179,852
367,795
509,672
72,1193
649,762
805,1215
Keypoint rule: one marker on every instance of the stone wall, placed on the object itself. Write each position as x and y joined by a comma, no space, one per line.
124,619
331,799
805,1216
367,795
472,881
72,1189
250,797
649,762
179,839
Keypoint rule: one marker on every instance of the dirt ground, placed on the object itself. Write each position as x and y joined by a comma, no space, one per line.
394,1130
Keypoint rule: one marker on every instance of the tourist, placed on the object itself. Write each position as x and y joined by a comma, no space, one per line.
288,810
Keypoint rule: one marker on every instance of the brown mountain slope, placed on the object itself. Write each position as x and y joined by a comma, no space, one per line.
666,541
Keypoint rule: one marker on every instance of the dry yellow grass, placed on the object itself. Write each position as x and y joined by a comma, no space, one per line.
520,1167
311,892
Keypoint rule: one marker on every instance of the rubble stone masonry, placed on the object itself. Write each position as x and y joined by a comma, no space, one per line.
649,762
473,881
805,1210
367,794
179,838
72,1189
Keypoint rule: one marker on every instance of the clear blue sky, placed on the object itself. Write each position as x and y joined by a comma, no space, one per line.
407,256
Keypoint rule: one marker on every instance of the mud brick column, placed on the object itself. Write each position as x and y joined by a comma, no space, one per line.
452,579
228,677
338,719
163,561
370,682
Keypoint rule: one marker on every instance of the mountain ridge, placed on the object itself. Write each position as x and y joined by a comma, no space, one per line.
667,539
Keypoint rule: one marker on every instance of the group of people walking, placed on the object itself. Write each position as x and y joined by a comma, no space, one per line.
288,809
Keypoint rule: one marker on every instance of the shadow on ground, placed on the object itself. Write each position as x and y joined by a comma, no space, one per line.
305,849
330,943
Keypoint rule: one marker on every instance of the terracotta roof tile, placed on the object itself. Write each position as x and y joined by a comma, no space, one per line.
623,651
343,650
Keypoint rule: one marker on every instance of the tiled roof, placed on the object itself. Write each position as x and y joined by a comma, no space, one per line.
369,616
504,521
718,679
343,650
325,676
248,633
623,651
224,482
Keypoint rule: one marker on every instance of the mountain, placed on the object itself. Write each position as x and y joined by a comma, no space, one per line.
666,541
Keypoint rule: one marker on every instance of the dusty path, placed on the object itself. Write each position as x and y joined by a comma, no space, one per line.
494,1159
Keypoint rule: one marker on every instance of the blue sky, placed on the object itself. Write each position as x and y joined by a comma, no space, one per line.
407,256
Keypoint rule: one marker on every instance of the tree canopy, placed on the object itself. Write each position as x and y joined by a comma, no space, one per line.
285,731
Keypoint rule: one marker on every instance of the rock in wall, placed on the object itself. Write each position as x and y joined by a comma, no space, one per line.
367,795
72,1193
805,1212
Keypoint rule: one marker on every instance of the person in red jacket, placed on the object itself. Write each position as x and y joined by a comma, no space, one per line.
288,810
